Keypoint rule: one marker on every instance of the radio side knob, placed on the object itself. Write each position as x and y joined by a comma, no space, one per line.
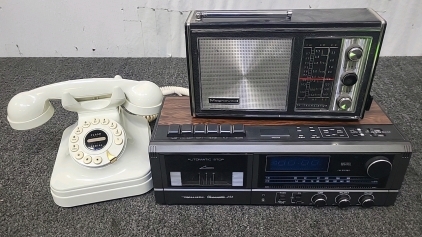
367,201
354,53
344,102
349,79
343,200
319,200
378,167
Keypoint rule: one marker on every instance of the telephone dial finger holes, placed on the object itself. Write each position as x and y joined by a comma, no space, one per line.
74,147
104,121
98,160
92,142
86,124
79,155
118,141
113,125
117,132
95,121
79,130
87,159
74,138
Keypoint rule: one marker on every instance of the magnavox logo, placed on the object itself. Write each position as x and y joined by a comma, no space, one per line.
213,100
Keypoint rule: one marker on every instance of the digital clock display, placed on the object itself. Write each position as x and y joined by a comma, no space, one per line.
297,163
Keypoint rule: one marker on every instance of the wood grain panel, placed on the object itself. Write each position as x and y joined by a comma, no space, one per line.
176,110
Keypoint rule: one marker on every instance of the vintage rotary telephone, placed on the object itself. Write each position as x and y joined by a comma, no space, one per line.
104,155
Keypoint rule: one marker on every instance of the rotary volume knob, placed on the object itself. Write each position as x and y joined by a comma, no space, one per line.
344,102
319,200
367,201
354,53
378,167
343,200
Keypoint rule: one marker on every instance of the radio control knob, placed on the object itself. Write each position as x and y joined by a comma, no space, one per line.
354,53
367,201
344,102
343,200
378,167
319,200
349,79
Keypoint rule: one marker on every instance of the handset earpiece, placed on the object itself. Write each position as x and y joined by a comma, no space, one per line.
144,98
26,111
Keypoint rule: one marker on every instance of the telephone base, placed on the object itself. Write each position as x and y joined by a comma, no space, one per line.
137,187
73,184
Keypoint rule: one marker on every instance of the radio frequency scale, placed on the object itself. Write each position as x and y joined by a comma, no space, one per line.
267,162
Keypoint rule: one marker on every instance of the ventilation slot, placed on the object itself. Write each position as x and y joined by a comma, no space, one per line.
152,152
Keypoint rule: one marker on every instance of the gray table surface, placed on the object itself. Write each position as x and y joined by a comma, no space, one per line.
27,159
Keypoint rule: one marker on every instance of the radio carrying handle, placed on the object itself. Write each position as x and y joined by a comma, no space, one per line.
244,14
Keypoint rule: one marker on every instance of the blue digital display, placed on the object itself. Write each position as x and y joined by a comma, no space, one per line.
297,163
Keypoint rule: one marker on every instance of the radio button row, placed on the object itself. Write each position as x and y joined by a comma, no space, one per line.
203,130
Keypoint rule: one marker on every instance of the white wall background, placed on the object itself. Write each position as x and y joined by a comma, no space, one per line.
154,28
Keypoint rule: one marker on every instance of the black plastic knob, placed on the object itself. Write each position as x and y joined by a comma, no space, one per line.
349,79
343,201
319,200
378,167
367,201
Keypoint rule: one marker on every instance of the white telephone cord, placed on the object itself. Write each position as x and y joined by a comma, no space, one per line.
168,90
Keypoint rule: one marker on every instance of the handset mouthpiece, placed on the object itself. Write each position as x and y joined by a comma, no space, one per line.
26,111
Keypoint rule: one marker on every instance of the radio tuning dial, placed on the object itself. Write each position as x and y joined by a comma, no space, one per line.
343,200
319,200
367,201
344,102
349,79
354,53
378,167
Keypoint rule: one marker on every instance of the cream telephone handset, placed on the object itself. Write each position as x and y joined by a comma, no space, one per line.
104,155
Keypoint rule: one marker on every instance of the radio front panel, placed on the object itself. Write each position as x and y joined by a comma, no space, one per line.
278,165
269,68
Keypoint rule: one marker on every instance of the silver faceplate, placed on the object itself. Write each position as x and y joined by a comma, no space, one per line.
254,71
347,66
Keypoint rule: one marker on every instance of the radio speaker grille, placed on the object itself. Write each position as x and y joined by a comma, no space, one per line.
255,72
